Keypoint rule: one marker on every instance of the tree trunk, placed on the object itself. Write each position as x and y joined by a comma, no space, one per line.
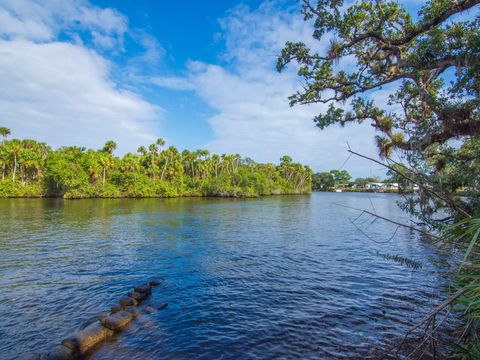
153,168
14,166
103,176
163,170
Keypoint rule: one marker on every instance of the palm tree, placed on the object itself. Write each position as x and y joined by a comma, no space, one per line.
4,132
142,150
3,160
107,163
160,142
14,148
109,146
215,163
153,149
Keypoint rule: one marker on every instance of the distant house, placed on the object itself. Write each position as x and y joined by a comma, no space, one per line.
374,186
390,186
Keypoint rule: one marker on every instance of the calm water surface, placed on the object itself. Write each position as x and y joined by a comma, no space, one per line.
276,277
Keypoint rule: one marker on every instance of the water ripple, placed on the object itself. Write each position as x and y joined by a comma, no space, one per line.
280,277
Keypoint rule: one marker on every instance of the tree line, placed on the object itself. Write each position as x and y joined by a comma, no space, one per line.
33,169
327,181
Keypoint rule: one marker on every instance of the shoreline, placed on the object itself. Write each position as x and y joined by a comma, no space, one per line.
157,197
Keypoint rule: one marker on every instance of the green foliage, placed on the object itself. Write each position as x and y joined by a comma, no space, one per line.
465,235
390,47
323,181
341,177
364,181
30,168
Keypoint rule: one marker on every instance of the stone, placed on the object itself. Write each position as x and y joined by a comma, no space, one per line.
154,282
115,308
87,338
149,310
144,289
162,306
137,296
128,301
60,352
117,321
133,310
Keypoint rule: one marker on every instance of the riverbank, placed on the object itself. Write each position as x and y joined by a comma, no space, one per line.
33,169
38,190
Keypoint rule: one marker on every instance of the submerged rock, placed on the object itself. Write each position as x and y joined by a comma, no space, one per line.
128,301
137,296
60,352
87,338
144,289
149,310
133,310
117,321
76,345
154,282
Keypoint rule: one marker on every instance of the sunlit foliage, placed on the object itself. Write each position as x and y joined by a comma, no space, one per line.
31,168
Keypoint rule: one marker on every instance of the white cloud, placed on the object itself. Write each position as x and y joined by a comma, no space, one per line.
253,116
62,92
43,20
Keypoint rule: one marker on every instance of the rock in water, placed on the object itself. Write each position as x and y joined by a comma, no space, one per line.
128,301
154,282
162,306
149,310
144,289
87,338
117,321
137,296
114,309
60,352
133,310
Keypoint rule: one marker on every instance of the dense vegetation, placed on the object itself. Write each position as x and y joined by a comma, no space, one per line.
31,168
429,65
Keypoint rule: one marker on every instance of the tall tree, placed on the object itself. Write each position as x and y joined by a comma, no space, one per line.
436,64
14,148
109,146
3,157
4,132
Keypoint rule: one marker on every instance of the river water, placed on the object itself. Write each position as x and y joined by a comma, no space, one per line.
274,277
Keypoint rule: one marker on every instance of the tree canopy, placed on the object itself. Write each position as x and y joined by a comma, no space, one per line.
31,168
434,62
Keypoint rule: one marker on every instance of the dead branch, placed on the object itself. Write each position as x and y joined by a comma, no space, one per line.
391,221
442,197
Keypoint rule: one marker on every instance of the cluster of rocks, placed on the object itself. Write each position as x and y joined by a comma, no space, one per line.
121,314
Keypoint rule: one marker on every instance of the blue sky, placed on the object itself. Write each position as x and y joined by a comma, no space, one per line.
200,74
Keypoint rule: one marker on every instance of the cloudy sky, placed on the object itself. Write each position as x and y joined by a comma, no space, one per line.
200,74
